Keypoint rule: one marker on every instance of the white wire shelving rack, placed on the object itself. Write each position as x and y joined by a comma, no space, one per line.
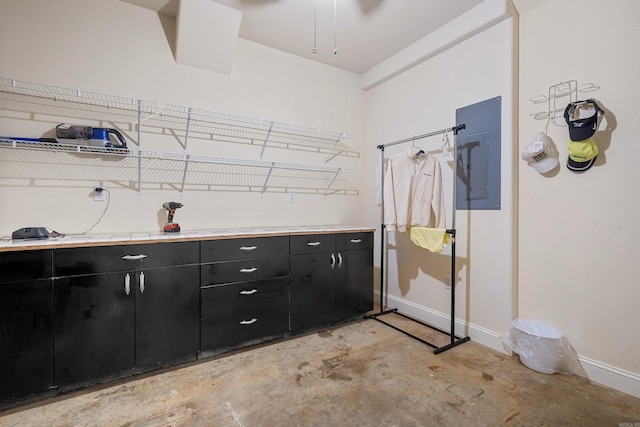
182,170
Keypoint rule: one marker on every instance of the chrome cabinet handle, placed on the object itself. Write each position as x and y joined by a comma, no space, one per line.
133,257
333,260
142,282
248,248
248,270
355,240
251,292
313,244
248,322
127,284
339,260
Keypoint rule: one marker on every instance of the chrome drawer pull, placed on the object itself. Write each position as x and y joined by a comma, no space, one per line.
356,240
127,284
251,292
333,260
313,244
339,260
248,248
133,257
248,322
142,282
248,270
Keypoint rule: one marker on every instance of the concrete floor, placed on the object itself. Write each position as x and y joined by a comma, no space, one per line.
364,373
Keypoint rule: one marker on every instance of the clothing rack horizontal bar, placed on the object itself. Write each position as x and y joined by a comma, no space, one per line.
375,317
455,340
426,135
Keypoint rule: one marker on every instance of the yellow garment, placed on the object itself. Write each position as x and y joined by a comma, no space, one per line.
430,238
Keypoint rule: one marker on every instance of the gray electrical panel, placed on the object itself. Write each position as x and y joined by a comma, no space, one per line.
478,162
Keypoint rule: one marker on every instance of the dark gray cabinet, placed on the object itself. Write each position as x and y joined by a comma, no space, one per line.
354,281
245,292
167,315
313,282
331,277
94,327
117,308
75,316
26,330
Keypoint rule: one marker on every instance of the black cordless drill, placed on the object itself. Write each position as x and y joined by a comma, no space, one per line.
170,226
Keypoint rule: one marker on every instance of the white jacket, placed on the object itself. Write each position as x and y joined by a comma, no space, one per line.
413,194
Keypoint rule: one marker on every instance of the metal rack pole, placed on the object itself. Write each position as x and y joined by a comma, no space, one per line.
382,229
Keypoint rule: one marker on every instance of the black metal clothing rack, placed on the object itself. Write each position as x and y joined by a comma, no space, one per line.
454,340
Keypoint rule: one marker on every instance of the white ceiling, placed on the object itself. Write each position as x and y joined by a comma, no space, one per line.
365,32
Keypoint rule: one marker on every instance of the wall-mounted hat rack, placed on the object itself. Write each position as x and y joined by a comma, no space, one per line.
557,99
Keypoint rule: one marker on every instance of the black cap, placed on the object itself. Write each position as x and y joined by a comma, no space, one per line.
581,128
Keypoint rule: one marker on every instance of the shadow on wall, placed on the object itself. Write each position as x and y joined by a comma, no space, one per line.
607,125
413,260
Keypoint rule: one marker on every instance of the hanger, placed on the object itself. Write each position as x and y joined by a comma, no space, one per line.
419,151
445,148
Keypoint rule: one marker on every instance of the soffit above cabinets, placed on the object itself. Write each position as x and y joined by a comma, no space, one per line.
362,32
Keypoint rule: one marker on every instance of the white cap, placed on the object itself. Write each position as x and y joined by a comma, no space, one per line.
540,153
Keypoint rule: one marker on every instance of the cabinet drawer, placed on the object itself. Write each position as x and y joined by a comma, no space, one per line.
106,259
248,297
231,331
169,254
351,241
25,265
312,243
245,248
243,271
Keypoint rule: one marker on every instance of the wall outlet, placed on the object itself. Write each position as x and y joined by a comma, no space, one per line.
292,197
100,197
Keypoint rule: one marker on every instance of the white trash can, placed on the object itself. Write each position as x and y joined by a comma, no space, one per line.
541,347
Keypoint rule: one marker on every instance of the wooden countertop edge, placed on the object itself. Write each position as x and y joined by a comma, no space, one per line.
177,238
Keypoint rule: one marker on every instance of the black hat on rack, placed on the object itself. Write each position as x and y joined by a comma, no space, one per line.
582,119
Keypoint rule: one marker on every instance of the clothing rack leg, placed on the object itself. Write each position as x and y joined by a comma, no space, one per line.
454,341
382,232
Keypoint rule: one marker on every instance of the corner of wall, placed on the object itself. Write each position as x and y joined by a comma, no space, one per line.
478,19
206,35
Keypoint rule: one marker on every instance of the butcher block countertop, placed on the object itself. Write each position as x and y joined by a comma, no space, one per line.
107,239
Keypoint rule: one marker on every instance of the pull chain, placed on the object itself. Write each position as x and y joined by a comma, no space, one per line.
315,31
335,27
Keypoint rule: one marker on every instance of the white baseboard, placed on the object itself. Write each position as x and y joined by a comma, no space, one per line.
598,372
477,333
610,376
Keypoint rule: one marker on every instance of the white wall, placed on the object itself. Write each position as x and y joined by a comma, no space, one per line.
578,237
424,99
115,48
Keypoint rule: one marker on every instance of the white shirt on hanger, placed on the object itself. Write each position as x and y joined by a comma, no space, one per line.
413,195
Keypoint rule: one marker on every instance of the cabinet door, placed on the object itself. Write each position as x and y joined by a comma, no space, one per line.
355,283
26,347
167,314
93,327
313,282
